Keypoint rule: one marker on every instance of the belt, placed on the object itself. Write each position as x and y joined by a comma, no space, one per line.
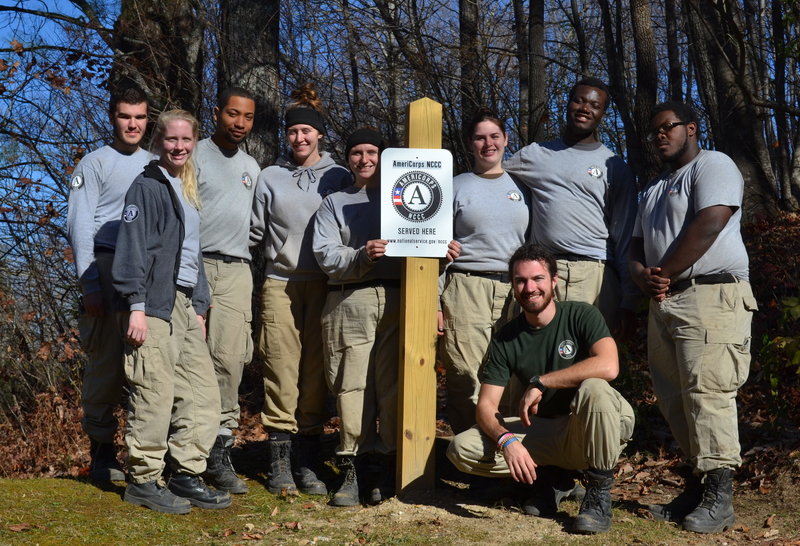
100,249
719,278
225,258
185,290
501,276
386,283
577,258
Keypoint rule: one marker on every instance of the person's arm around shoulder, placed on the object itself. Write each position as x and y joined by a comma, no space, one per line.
487,415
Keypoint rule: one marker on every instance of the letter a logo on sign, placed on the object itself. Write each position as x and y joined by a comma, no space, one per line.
417,198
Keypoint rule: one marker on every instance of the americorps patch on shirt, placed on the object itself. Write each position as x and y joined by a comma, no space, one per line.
130,213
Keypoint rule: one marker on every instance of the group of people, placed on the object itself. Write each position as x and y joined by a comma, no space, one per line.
551,253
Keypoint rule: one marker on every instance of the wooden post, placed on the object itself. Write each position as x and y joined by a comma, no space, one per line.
417,375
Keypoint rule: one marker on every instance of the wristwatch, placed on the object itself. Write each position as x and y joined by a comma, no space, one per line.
537,382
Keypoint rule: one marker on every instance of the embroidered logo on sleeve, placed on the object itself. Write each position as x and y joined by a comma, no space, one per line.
130,213
514,195
76,182
594,171
247,181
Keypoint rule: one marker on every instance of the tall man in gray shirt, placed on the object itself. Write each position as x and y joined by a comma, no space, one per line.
688,257
97,195
583,205
226,177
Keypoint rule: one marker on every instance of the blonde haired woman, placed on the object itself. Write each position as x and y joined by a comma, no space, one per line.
174,398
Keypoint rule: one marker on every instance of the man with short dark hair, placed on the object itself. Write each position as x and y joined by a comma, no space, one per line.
96,198
569,416
225,181
688,257
583,206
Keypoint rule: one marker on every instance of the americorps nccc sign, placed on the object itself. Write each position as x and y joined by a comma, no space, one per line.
416,201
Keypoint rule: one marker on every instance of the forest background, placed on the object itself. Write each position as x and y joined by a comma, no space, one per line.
735,62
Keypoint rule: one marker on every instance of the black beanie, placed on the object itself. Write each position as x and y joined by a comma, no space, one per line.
305,116
364,135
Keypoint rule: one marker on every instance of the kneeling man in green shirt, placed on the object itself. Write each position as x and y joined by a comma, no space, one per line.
570,418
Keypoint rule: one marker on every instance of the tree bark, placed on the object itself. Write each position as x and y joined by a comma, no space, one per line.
159,46
643,157
249,59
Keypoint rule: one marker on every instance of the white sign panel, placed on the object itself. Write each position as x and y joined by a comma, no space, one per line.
417,201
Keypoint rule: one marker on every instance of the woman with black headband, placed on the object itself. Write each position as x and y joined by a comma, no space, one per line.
286,198
360,323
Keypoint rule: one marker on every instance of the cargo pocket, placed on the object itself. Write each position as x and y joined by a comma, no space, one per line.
726,362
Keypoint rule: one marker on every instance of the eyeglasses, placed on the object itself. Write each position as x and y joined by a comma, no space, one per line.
664,129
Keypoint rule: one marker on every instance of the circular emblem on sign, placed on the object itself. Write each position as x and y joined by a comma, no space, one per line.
246,180
130,213
514,195
566,349
417,196
594,171
76,182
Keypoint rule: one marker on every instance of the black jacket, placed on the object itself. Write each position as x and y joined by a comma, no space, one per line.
148,254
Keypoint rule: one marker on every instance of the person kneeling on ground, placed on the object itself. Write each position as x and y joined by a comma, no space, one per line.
569,416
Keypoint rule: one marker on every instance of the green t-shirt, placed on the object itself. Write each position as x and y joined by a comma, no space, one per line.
524,351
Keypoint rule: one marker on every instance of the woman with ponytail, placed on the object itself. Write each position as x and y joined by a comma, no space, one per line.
490,220
174,399
290,344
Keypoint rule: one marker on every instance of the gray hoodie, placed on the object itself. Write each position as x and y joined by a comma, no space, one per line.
285,200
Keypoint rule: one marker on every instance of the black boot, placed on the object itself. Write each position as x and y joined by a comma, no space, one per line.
156,497
196,492
714,514
104,466
383,470
280,466
347,494
595,513
306,454
219,468
678,508
553,484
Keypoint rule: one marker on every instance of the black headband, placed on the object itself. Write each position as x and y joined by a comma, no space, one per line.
305,116
364,136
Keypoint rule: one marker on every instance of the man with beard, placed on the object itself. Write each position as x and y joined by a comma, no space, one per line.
583,204
688,257
96,198
569,416
225,181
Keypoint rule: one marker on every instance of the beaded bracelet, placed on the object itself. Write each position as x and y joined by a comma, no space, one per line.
503,437
509,442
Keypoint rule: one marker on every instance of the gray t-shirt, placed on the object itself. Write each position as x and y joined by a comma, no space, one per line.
226,182
490,220
583,202
190,251
97,194
670,203
344,223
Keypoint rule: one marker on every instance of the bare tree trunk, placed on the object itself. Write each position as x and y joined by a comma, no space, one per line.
159,45
580,38
726,85
643,158
523,61
249,59
675,73
470,84
537,98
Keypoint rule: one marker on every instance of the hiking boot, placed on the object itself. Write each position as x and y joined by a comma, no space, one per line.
156,498
280,467
219,468
104,466
196,492
347,494
595,513
714,514
553,484
383,474
679,507
305,453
